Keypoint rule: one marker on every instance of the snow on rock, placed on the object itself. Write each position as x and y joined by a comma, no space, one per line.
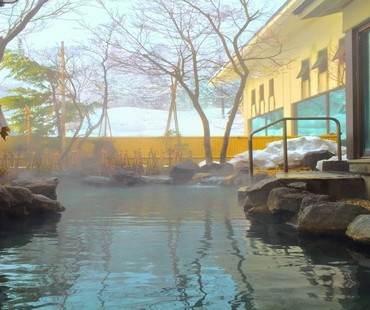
272,156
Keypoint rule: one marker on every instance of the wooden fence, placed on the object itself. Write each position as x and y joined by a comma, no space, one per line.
153,153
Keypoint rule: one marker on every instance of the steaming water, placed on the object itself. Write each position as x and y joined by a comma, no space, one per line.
173,247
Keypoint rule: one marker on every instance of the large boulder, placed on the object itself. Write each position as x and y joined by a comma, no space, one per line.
217,169
46,187
20,202
313,199
97,180
310,159
328,217
359,229
184,171
126,178
13,196
258,193
286,199
43,204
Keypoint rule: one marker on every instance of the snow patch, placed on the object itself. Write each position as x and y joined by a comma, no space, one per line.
272,156
138,122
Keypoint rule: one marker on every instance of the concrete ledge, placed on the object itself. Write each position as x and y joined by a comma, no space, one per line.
361,166
336,185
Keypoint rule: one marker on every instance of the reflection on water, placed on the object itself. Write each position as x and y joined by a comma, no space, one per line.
172,247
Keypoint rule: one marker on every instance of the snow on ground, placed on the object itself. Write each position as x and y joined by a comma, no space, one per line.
131,122
272,155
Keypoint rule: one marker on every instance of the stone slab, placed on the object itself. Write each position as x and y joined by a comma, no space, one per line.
337,185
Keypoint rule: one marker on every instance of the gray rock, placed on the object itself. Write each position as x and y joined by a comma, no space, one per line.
328,217
97,180
156,179
184,171
248,204
13,196
298,185
359,229
217,169
46,187
43,204
212,180
310,159
313,199
20,202
127,178
286,199
259,210
258,193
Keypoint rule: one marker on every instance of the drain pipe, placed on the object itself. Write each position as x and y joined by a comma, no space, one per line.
250,158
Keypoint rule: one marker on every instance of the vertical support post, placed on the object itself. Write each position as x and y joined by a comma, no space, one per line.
28,125
285,146
250,158
63,98
339,140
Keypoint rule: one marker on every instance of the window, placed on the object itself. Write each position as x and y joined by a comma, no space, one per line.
253,97
313,107
253,102
337,109
263,120
304,74
329,104
340,56
271,99
271,88
321,62
262,93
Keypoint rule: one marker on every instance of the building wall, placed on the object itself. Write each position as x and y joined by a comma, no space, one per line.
355,13
311,36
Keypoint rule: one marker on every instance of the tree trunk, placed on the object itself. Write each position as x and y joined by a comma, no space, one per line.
234,110
206,133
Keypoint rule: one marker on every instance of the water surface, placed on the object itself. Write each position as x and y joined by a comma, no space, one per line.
172,247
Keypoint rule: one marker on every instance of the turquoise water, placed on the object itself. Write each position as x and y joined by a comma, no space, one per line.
172,247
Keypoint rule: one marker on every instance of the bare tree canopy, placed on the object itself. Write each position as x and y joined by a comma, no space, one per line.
188,41
30,15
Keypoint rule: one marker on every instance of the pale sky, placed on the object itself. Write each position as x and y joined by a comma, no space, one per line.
67,29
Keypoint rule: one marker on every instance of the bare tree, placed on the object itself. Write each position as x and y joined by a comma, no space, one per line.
28,15
187,39
84,75
230,25
165,37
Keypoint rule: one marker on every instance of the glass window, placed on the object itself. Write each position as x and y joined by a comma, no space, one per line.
253,97
314,107
340,53
277,129
304,74
262,92
321,62
257,123
337,109
265,119
271,88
